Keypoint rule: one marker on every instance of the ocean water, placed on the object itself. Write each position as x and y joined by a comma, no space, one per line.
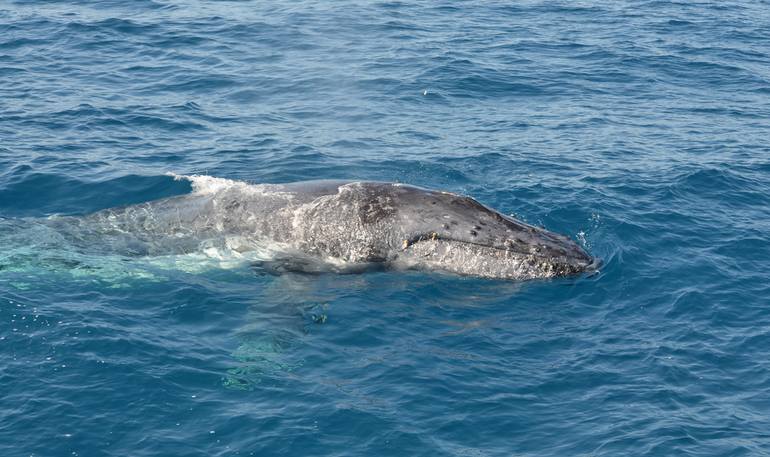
638,128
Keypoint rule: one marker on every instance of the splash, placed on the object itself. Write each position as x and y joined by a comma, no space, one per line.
209,185
205,185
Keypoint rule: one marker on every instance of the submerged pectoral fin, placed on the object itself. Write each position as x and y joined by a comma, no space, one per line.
291,264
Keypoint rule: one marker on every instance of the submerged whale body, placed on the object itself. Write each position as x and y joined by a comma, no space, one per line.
332,225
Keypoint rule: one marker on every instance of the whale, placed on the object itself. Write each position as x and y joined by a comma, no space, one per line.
331,225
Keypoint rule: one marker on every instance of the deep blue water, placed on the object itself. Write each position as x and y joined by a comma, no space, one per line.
639,128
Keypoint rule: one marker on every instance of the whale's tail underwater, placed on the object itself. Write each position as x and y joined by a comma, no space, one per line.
316,226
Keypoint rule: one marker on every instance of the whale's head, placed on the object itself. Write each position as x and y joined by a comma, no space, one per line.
410,227
455,233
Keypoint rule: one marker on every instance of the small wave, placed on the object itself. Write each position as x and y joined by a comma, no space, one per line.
210,185
31,193
204,185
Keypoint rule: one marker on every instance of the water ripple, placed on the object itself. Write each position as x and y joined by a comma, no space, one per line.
637,128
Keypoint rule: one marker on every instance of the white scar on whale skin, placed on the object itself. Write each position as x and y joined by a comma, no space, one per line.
315,226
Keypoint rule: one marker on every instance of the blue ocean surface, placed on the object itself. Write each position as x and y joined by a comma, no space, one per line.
640,129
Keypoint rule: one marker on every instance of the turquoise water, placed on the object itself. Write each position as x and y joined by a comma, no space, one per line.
639,129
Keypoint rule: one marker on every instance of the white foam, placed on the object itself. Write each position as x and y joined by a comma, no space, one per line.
212,186
207,185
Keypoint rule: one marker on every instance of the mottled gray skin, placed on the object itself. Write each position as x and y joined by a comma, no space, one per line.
344,225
